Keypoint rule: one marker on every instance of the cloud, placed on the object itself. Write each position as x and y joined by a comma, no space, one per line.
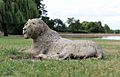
108,11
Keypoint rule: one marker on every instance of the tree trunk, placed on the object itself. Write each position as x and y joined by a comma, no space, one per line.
4,27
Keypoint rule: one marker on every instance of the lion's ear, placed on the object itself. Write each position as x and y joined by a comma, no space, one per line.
29,19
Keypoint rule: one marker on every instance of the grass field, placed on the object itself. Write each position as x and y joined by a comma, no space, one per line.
9,47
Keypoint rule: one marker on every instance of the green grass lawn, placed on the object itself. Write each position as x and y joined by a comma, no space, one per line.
9,47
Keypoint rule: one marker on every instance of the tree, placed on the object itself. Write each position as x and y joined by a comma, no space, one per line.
55,24
59,25
107,29
117,31
93,27
74,27
2,14
100,27
49,22
14,13
71,20
84,24
41,8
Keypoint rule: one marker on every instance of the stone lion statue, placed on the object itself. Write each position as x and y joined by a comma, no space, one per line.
48,44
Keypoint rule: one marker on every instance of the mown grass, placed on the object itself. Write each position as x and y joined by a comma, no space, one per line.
24,67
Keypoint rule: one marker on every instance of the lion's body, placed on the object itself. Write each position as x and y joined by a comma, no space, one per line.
53,46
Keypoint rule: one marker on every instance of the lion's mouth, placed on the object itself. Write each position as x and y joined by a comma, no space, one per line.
24,32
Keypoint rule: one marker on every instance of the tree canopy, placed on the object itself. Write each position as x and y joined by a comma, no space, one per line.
86,27
14,13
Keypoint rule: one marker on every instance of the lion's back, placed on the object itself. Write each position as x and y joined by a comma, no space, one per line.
70,45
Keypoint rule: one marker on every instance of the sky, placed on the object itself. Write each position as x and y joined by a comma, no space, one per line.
106,11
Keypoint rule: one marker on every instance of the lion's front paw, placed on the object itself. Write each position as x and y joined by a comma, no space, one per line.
41,56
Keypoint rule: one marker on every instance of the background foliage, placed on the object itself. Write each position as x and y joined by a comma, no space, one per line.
14,14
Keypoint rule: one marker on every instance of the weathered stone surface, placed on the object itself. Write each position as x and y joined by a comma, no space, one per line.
48,44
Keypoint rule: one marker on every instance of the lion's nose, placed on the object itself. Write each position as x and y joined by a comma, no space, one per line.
24,29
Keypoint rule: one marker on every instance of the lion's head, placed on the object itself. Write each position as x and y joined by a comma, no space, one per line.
33,28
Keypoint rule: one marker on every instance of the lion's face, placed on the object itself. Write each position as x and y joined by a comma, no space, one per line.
33,28
28,29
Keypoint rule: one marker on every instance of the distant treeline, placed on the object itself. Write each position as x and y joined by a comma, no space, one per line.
14,14
75,26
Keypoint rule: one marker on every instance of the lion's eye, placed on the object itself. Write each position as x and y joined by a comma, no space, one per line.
33,23
26,23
